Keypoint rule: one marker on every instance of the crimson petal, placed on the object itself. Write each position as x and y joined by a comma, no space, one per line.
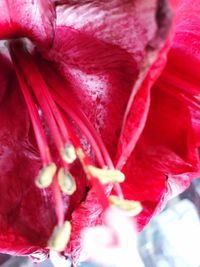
184,58
168,145
164,153
139,108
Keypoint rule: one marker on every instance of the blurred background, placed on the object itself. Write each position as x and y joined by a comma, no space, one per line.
172,239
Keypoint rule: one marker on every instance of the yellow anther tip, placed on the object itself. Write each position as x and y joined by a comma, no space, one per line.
68,153
80,154
60,237
132,208
66,182
45,176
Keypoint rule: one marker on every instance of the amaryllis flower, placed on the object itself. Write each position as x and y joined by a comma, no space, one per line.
79,115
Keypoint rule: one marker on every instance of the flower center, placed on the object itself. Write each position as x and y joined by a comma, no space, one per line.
48,99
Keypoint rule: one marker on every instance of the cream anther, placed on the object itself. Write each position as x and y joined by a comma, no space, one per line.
106,175
66,181
132,208
68,153
60,237
45,176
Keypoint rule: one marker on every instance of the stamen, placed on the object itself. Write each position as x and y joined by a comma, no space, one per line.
40,90
59,93
45,176
132,208
105,175
38,129
37,125
68,153
82,156
94,180
60,237
81,124
59,132
66,181
81,120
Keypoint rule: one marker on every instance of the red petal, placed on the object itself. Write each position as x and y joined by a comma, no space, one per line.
27,18
182,69
129,25
136,118
165,151
173,119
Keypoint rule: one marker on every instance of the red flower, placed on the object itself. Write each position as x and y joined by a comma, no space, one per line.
83,88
